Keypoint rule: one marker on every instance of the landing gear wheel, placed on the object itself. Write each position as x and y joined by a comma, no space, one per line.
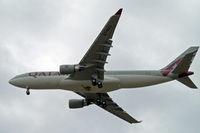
101,103
94,82
98,102
100,85
27,91
104,104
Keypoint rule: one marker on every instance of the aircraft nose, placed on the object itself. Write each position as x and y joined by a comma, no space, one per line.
12,81
19,82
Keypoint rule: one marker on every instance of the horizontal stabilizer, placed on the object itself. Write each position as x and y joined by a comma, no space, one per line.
188,82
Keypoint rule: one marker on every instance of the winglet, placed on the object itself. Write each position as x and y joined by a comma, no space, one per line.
119,12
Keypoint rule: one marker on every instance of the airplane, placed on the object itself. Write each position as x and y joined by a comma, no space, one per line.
89,79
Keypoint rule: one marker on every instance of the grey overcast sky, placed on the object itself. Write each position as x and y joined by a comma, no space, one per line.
39,35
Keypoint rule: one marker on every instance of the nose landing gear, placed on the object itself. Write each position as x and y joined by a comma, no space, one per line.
27,90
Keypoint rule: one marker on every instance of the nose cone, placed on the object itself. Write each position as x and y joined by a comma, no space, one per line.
17,82
12,81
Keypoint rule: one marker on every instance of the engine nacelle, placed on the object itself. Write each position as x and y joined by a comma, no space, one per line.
77,103
69,69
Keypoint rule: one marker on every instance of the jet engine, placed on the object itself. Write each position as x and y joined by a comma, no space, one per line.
68,69
77,103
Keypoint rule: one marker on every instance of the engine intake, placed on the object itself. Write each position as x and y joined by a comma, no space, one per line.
77,103
69,69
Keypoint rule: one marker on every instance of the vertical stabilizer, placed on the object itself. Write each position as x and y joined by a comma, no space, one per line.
181,65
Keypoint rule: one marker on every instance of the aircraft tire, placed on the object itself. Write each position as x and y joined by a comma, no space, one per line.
100,85
94,82
27,92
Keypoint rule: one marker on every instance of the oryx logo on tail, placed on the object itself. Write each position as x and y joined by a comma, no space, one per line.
182,63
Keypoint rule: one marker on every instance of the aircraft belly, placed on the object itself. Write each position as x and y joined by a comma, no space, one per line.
109,84
134,81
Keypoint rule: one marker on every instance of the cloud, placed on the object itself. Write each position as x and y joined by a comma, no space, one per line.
41,35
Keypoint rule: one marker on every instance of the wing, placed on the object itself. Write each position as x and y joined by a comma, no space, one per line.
96,56
111,106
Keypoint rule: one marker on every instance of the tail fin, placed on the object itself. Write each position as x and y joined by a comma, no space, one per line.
181,65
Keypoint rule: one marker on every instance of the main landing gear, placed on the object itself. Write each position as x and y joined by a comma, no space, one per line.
27,90
101,103
96,82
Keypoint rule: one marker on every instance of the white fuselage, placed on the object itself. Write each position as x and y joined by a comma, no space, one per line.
112,81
